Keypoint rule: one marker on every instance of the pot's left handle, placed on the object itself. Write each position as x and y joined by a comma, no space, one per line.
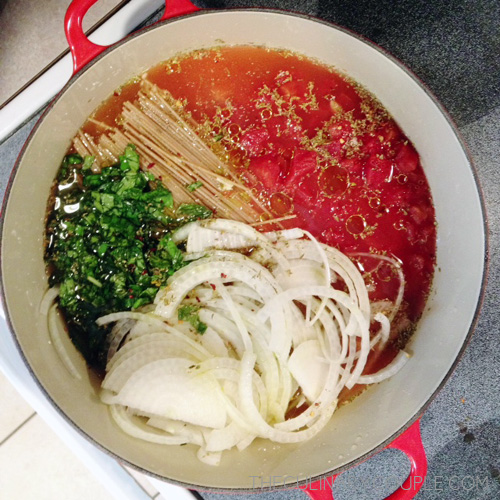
410,443
82,49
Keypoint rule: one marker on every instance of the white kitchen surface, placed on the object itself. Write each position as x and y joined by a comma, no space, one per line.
36,464
29,448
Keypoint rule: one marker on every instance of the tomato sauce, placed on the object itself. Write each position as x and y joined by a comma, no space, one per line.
316,145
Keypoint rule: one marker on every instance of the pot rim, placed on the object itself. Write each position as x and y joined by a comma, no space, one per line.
480,300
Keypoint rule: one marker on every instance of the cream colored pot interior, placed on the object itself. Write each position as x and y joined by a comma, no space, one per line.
373,418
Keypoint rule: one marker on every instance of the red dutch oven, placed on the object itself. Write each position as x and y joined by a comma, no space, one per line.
387,415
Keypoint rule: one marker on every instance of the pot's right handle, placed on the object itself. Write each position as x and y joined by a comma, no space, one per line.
410,443
82,49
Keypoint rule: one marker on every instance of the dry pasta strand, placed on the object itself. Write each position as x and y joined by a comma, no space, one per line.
171,150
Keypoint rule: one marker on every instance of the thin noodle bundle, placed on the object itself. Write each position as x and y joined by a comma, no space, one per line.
171,150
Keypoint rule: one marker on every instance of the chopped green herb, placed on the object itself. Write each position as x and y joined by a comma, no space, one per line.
94,281
129,161
194,186
114,251
194,211
190,314
88,162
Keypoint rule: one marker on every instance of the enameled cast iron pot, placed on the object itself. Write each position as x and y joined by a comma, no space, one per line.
379,415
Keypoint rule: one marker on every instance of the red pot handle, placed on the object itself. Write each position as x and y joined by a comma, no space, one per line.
82,49
410,443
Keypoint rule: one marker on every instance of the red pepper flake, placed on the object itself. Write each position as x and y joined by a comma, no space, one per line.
130,296
198,299
151,165
144,272
213,286
223,276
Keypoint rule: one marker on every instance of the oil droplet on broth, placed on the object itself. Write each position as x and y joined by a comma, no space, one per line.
334,181
355,224
281,203
374,202
399,225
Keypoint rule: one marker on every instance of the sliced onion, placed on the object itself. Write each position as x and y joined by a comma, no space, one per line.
274,325
391,369
57,341
309,368
148,318
171,389
168,300
48,299
189,432
201,239
209,457
132,426
118,332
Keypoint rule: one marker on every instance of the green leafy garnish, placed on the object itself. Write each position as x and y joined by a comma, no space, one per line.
88,161
194,186
194,211
190,314
113,249
129,161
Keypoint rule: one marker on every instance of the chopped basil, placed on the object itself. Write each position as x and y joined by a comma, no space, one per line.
113,250
190,314
194,186
88,161
194,211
